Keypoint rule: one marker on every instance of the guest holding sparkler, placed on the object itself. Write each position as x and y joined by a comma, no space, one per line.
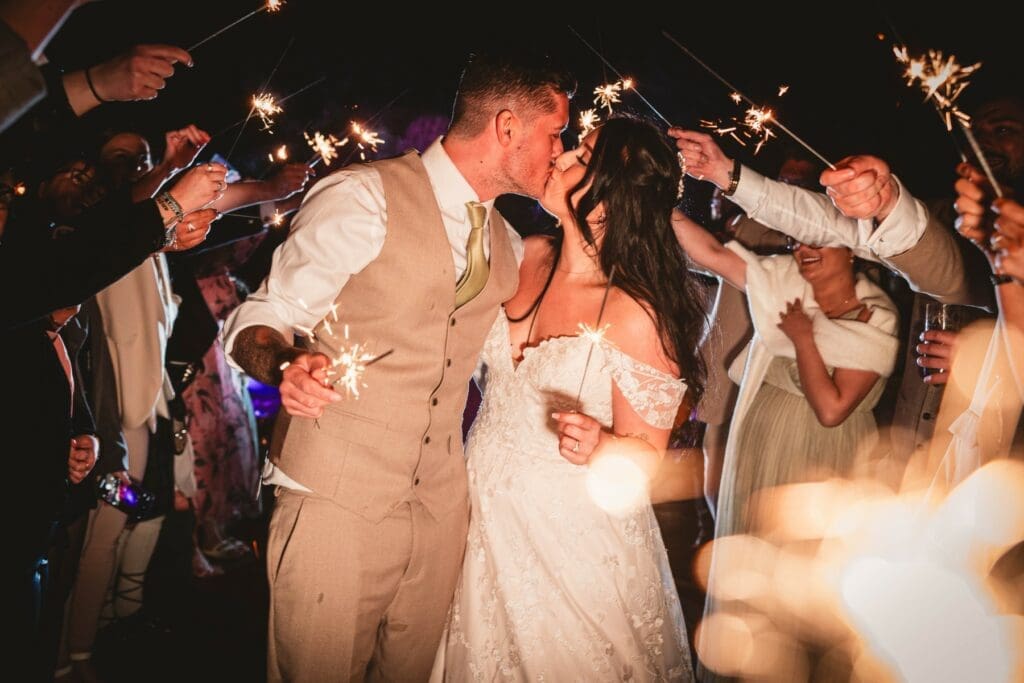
369,526
554,586
824,342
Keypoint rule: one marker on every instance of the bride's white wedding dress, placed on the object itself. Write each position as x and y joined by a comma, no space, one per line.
553,588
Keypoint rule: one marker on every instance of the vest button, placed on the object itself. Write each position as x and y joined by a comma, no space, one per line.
426,439
453,322
433,402
448,362
416,481
926,416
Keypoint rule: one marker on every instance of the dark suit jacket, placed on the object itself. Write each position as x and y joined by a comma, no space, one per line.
36,425
39,274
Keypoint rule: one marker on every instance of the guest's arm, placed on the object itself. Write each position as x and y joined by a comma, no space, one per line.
337,233
707,252
832,397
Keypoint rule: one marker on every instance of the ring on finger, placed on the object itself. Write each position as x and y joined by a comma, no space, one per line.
576,447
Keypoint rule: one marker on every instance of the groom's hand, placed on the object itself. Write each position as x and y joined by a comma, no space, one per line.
304,389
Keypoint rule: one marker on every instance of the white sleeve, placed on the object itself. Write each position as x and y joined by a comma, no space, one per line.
902,228
807,216
337,232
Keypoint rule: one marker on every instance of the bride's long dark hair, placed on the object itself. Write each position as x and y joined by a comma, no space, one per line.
634,173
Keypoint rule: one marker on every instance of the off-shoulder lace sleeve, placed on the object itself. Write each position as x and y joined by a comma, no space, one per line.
654,395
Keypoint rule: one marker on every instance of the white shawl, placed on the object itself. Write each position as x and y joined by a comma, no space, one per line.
772,282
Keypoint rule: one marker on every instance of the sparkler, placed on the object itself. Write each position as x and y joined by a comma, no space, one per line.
269,6
943,79
737,95
608,94
622,79
325,146
280,155
589,119
365,138
595,334
349,366
755,125
264,106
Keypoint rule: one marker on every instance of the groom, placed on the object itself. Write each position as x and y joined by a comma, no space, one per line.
369,528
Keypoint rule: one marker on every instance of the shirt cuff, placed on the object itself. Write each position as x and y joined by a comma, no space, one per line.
902,228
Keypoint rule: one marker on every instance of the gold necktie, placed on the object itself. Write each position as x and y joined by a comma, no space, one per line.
477,270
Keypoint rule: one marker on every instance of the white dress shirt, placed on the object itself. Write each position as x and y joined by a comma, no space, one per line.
338,231
811,218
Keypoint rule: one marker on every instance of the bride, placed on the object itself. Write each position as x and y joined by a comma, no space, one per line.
553,587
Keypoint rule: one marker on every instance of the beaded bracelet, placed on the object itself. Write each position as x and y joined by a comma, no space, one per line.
999,279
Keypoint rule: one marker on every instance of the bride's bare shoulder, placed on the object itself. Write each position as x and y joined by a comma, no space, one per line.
633,329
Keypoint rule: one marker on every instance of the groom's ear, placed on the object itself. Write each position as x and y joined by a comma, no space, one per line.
504,126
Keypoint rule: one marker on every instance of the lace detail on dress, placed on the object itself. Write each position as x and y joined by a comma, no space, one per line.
653,394
553,588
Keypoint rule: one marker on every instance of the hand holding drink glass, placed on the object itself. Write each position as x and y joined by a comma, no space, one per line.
941,324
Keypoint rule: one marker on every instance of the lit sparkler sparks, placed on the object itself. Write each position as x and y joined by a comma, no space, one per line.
783,89
348,366
326,146
736,96
278,219
608,94
20,189
264,106
622,79
754,126
365,138
269,6
589,118
943,79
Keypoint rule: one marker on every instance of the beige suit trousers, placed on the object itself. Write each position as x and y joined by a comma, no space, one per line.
351,600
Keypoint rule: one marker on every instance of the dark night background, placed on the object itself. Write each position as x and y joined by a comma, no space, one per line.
400,70
846,95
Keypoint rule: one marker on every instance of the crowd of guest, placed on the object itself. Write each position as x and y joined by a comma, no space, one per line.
116,276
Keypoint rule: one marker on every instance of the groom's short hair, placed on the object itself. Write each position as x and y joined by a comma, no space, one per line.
517,81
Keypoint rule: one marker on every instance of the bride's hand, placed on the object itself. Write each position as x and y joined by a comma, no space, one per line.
578,436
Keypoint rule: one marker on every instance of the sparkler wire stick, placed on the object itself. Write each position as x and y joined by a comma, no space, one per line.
231,25
620,76
241,130
263,90
980,156
302,89
593,341
749,101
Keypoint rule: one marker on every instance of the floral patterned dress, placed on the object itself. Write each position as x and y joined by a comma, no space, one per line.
222,426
